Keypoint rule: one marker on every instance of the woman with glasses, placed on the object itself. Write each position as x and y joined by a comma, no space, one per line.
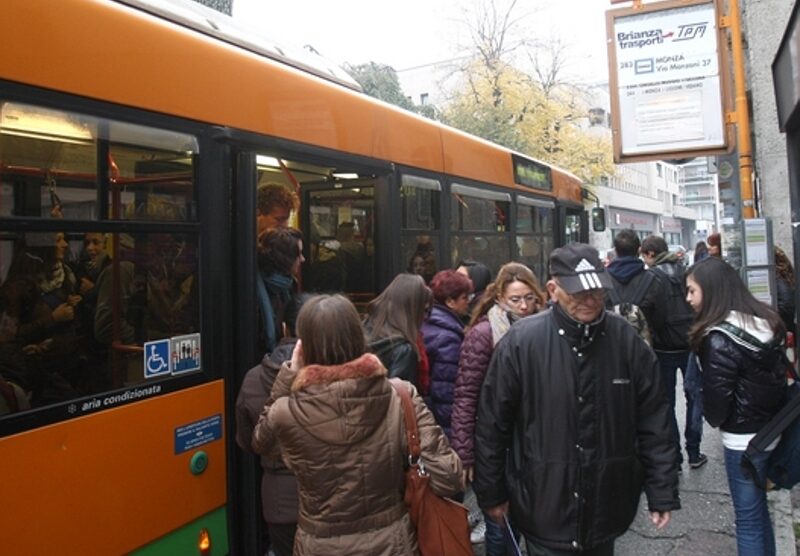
514,294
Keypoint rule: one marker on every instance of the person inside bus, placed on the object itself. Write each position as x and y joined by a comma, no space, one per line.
338,423
393,324
274,205
353,255
425,252
40,295
279,259
92,263
279,502
172,290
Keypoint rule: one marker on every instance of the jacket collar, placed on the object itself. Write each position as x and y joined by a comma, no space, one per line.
368,365
577,333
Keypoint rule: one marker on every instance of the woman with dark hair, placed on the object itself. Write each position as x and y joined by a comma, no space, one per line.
443,333
481,277
39,295
280,255
514,294
393,323
700,251
739,341
339,425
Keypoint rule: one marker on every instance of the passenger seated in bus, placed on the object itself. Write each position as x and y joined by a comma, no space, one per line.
278,485
39,295
274,205
279,259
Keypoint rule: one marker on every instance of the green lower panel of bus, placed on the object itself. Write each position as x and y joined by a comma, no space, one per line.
186,540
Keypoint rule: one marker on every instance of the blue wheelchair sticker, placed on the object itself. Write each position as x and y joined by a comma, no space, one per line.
188,437
156,358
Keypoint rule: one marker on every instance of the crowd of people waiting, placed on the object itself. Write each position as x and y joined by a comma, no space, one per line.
543,399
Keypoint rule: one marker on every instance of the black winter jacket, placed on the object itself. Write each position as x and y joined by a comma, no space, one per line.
581,411
744,382
398,357
666,310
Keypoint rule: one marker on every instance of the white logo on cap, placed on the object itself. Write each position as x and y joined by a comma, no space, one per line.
590,281
585,266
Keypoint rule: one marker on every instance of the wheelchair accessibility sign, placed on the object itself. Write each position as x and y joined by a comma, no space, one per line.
156,358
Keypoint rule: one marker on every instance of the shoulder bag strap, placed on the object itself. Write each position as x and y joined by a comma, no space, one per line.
412,434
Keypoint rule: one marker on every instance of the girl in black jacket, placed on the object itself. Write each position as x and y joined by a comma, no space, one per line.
739,341
392,326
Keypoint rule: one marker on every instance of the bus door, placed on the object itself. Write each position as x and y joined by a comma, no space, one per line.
535,227
421,250
574,226
341,233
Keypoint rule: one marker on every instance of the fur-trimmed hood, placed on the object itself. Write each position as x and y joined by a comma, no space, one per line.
365,366
341,404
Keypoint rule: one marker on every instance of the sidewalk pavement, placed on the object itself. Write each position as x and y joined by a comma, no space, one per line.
705,524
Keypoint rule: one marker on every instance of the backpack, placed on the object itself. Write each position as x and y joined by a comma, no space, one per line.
673,330
629,308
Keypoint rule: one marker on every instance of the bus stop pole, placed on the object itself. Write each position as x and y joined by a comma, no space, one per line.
741,115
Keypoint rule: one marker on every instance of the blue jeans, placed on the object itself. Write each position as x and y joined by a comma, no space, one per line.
670,362
495,541
693,390
754,535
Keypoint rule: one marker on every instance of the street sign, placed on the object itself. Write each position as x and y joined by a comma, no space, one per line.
668,92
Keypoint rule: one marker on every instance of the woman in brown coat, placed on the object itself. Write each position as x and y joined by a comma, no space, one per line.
339,424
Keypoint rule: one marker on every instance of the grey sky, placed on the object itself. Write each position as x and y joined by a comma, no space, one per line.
418,32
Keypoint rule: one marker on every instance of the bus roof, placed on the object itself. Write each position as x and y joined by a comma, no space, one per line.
115,52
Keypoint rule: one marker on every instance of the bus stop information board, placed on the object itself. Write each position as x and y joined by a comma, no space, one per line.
666,84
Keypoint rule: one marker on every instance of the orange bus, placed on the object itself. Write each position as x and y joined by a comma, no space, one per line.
132,144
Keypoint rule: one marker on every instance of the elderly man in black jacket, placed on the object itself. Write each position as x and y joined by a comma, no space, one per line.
573,422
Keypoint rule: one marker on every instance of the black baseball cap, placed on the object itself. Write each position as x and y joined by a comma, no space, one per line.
578,268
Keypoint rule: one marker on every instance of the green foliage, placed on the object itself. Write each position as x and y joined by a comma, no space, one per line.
380,81
506,106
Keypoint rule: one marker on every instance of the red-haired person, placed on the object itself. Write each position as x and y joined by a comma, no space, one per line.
443,333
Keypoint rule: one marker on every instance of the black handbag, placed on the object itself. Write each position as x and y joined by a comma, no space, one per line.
783,466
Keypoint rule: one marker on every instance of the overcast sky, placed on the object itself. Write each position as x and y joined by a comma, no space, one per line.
418,32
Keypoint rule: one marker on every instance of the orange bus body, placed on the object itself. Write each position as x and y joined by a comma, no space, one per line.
63,490
112,52
77,487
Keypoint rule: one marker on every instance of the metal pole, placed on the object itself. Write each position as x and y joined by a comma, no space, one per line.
742,114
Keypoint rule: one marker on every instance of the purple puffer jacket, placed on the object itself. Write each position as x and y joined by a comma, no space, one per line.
476,352
442,333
